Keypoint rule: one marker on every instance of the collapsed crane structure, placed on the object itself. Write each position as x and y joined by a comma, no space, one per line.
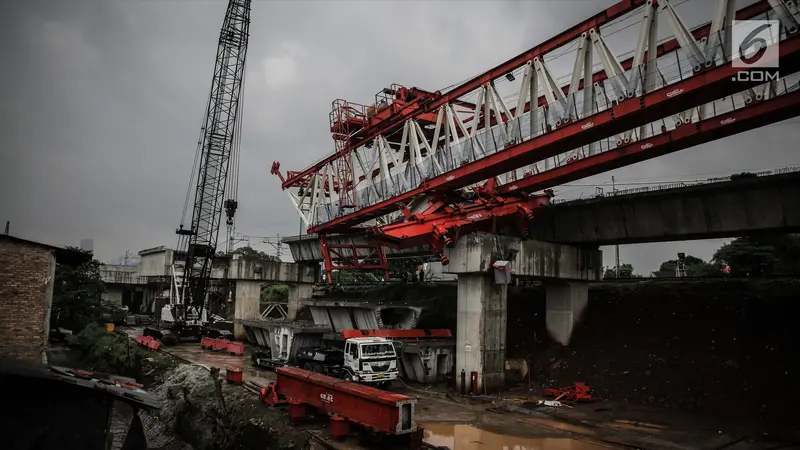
217,154
419,167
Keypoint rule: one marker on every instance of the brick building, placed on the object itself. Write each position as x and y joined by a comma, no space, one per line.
27,272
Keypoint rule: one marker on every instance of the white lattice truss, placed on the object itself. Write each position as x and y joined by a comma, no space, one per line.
462,135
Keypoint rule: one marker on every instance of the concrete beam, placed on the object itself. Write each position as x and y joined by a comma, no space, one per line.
306,248
475,253
715,210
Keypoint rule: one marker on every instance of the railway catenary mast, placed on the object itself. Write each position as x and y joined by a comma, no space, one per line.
216,174
419,168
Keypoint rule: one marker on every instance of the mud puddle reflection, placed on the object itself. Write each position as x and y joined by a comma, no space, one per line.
467,437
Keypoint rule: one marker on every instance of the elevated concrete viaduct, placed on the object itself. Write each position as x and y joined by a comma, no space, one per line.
716,210
247,275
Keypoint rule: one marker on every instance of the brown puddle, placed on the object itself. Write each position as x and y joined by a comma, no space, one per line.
467,437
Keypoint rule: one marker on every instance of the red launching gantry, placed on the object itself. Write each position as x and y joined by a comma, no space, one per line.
420,168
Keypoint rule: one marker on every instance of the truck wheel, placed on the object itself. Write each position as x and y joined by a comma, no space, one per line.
308,367
385,384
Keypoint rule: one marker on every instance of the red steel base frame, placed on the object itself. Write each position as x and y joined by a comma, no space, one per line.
386,412
579,392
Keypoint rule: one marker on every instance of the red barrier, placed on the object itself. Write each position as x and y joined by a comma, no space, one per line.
206,343
235,348
386,412
219,344
397,334
149,342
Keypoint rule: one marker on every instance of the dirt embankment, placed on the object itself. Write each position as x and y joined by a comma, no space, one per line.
192,415
722,349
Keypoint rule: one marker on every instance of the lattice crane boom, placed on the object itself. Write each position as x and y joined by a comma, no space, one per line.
218,159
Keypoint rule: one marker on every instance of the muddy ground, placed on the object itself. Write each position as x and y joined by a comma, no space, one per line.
721,353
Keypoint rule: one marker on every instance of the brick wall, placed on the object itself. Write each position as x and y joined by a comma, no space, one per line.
26,289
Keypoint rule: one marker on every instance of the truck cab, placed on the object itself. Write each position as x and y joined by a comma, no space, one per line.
370,360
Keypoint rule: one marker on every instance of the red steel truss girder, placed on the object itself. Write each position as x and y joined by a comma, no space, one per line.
295,177
703,87
443,227
724,125
667,47
384,411
756,115
346,257
613,12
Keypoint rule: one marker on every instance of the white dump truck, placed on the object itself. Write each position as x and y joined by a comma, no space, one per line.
366,360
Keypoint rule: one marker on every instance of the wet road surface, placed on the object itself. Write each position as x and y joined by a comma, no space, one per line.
468,437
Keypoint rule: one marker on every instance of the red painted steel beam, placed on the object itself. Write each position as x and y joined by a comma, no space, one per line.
725,125
475,217
702,31
397,334
374,408
670,46
701,88
614,12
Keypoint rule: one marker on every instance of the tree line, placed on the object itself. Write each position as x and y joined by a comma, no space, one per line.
754,256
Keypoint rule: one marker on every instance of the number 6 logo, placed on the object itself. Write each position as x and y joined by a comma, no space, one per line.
755,43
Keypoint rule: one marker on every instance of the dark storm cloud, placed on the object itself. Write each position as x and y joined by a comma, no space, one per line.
103,100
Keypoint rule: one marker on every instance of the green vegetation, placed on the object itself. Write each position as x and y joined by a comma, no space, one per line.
250,252
111,352
764,255
625,271
274,292
77,296
761,255
695,267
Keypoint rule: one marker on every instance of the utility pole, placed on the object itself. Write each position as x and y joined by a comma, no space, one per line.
8,223
616,247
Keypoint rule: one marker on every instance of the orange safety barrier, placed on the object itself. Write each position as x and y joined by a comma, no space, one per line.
397,334
148,342
236,348
219,344
207,343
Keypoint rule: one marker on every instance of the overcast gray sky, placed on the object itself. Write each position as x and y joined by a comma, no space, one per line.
102,102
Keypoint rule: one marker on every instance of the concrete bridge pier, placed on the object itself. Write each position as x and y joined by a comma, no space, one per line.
299,296
247,304
482,296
